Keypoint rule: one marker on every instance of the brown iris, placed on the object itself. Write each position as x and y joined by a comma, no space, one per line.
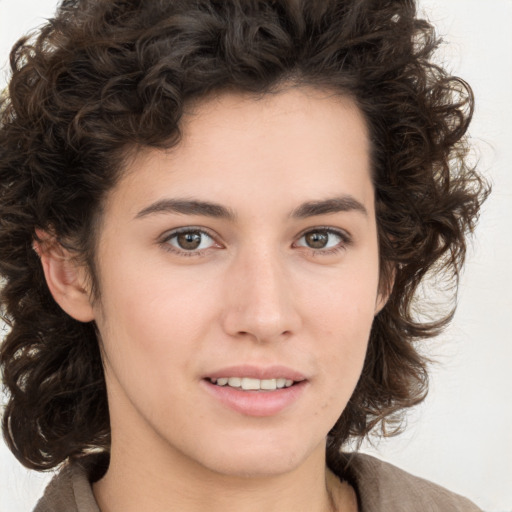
190,240
317,239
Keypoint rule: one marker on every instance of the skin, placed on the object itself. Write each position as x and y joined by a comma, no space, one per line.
254,292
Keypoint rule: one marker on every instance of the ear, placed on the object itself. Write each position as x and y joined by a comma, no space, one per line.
386,283
66,279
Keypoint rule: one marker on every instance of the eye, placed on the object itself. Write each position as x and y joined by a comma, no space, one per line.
189,240
323,239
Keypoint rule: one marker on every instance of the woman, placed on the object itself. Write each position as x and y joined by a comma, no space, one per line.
215,216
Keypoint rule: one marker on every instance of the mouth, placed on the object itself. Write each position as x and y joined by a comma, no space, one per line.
252,384
255,390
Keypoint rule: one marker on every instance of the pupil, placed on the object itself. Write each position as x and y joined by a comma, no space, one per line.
317,240
189,241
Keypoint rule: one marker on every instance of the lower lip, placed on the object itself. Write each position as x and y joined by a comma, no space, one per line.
256,403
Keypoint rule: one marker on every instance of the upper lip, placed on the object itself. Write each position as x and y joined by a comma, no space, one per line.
257,372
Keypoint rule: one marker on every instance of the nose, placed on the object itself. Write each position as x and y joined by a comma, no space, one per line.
260,302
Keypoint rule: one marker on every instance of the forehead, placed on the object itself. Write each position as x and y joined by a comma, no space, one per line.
293,114
297,145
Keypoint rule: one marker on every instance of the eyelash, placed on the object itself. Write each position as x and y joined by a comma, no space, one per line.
345,238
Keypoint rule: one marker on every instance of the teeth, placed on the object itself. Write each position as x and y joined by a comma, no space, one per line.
234,382
270,384
280,383
249,384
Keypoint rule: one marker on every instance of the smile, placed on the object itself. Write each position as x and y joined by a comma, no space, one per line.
251,384
255,397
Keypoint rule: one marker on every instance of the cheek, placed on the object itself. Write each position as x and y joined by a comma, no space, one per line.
151,327
340,322
151,305
344,308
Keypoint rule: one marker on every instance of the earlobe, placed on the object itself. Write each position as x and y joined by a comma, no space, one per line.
66,280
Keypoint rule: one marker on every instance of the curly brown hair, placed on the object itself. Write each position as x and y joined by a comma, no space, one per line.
104,76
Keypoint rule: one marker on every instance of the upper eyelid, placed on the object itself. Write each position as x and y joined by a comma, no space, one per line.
185,229
209,231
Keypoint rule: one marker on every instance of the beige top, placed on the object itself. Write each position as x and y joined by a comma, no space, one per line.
380,487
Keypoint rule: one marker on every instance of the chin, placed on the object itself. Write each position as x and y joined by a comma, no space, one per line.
255,467
260,460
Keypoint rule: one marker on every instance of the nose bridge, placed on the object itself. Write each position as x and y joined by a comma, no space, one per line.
259,297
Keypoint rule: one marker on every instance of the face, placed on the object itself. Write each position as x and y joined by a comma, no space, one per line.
239,281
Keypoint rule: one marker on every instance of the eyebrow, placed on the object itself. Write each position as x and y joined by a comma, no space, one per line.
344,203
188,207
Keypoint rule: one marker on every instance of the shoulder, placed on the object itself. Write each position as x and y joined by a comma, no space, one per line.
382,487
70,490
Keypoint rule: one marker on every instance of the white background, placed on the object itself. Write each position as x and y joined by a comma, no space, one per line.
461,437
